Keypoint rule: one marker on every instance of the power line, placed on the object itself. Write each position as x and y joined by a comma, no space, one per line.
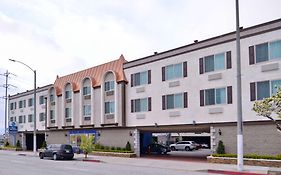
6,86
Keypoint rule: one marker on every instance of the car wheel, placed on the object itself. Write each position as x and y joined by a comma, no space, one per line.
55,157
41,155
173,148
187,148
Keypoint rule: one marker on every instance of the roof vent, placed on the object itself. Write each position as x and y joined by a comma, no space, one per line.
195,41
155,53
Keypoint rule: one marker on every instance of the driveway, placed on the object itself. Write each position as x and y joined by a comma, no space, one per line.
195,155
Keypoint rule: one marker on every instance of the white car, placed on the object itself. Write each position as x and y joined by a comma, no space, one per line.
183,145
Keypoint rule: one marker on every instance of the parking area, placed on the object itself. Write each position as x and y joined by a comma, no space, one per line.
195,155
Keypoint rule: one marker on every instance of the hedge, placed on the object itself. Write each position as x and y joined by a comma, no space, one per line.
250,156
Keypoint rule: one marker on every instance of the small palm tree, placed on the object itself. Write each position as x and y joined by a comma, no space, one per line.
87,144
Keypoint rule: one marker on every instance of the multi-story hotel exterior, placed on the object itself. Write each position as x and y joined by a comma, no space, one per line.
187,89
21,111
90,101
193,88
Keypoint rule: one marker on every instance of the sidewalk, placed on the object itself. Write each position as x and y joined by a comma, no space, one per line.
166,164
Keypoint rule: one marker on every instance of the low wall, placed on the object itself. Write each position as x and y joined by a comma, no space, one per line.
253,162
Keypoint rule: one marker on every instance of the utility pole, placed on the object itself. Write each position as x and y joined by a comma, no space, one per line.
6,86
240,151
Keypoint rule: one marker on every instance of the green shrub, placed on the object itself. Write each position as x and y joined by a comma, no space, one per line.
118,148
112,148
124,149
7,144
18,145
101,147
106,148
98,146
44,145
128,146
220,148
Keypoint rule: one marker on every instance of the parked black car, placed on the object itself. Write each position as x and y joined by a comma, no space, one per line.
77,150
156,148
57,151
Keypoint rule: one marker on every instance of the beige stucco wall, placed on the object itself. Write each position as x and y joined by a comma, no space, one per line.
260,138
116,137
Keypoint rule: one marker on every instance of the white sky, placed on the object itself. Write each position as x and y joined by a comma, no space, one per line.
58,37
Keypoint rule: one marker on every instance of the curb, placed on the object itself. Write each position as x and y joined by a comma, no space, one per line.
232,172
91,160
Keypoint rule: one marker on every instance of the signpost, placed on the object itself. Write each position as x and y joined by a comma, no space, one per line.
13,130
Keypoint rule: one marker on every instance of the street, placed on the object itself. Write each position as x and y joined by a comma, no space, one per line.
14,164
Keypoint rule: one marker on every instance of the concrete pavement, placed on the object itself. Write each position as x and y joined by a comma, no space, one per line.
164,164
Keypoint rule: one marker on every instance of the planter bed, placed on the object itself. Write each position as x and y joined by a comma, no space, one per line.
113,154
247,161
11,149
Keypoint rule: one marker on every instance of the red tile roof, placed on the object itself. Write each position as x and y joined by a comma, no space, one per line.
95,74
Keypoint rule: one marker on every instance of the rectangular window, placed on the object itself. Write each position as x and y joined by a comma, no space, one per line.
141,105
215,96
30,118
264,89
20,104
210,97
67,95
52,114
109,86
30,102
67,113
265,51
174,101
209,63
24,103
86,90
109,107
275,49
173,71
11,106
20,119
41,100
215,62
141,78
52,98
42,116
262,52
13,119
86,110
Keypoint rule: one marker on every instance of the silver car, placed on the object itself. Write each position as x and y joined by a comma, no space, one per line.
183,145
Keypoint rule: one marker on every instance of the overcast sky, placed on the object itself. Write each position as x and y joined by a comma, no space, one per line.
58,37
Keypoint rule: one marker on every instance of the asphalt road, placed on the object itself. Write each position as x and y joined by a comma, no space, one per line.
12,164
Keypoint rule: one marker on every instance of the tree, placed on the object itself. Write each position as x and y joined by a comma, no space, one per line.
220,148
87,144
270,106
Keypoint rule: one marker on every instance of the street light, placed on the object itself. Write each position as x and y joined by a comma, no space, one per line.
34,103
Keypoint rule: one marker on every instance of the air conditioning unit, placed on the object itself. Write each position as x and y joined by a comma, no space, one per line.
109,93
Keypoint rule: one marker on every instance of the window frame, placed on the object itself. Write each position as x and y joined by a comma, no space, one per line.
172,66
214,62
268,51
110,107
85,114
174,106
67,113
110,84
269,86
215,96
